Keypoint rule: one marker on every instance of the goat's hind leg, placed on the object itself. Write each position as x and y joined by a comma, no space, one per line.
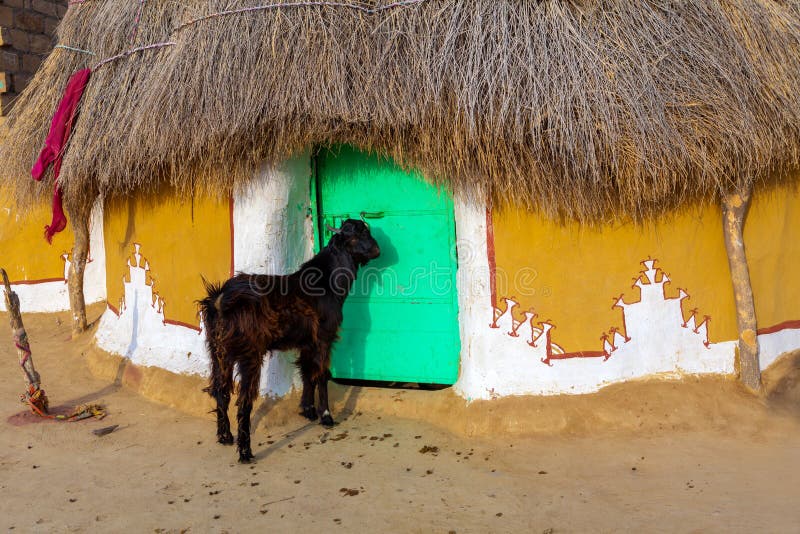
220,387
249,375
323,374
307,408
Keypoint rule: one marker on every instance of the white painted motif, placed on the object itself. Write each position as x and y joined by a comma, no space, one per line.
141,332
513,358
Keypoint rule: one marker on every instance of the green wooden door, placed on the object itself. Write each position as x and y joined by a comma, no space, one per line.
401,318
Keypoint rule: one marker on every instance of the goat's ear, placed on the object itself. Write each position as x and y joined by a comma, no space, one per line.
332,230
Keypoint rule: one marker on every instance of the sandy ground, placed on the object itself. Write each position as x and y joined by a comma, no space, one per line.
690,456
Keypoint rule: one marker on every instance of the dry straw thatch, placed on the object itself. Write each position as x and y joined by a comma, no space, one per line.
583,108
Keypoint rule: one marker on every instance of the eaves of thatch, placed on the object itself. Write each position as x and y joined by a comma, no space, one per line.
586,109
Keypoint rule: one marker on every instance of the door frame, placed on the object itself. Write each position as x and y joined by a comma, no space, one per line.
318,238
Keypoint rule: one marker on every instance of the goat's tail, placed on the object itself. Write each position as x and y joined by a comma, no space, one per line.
210,310
211,306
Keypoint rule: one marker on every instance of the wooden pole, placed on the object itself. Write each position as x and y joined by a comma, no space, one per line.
79,220
734,211
34,394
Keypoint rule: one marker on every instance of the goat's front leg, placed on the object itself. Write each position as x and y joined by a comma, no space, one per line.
306,364
249,374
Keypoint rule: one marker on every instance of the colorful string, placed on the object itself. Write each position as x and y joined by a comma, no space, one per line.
136,22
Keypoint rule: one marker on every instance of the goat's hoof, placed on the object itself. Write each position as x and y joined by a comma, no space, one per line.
225,439
309,412
246,457
327,420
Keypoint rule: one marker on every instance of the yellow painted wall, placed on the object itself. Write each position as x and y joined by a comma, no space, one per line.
182,239
24,252
574,272
772,241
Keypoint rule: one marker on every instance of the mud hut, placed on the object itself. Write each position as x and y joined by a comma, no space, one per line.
560,188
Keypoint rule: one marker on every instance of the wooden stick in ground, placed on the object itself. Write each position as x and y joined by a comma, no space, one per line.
32,378
79,219
734,212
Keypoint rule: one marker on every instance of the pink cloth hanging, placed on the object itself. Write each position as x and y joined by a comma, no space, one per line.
55,144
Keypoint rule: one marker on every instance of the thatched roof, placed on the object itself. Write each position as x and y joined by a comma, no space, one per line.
585,108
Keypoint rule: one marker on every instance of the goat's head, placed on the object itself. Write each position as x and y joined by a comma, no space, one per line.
354,237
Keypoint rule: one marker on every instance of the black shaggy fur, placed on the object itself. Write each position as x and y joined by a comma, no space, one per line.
252,314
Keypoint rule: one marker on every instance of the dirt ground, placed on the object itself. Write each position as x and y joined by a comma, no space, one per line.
697,455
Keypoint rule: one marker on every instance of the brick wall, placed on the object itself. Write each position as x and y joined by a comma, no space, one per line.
27,30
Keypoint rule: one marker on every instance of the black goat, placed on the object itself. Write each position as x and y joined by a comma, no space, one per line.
252,314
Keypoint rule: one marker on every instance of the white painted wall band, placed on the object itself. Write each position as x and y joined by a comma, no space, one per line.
273,234
48,297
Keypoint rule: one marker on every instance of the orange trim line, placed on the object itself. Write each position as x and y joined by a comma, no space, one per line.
490,255
786,325
579,354
181,323
232,237
42,281
166,321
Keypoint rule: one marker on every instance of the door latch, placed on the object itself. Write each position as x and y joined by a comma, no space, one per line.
372,215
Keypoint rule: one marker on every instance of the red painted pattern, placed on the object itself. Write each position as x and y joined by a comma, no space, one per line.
181,323
41,281
608,338
579,354
491,256
786,325
232,235
490,253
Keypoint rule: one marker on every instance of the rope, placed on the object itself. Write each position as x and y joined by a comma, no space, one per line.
25,348
27,354
363,9
136,21
82,51
37,400
320,3
133,51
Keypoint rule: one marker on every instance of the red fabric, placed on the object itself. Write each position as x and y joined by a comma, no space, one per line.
54,146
